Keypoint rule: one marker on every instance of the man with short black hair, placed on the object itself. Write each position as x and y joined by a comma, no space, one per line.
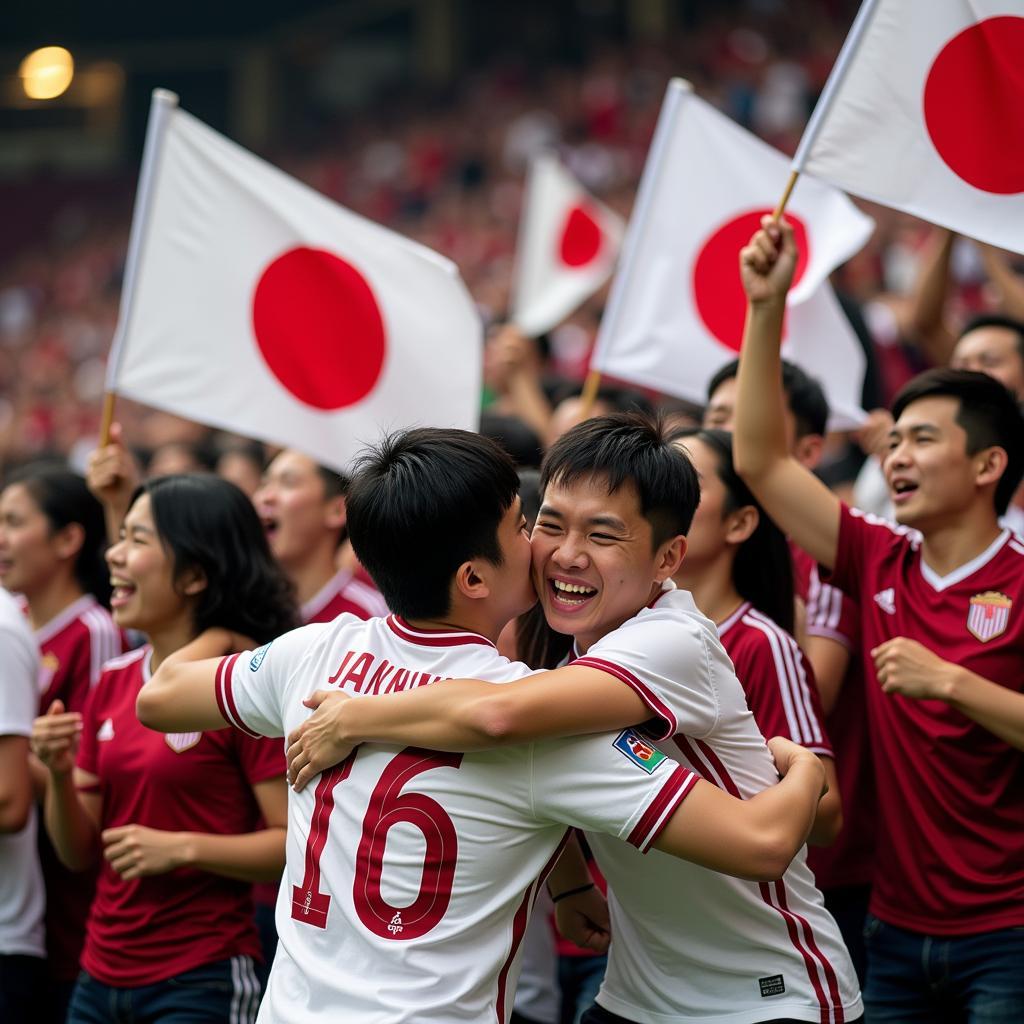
994,345
943,643
687,944
411,874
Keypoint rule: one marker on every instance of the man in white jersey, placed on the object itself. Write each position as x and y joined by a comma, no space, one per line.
410,873
688,944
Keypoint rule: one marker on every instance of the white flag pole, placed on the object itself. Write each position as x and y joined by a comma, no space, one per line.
678,88
835,79
163,103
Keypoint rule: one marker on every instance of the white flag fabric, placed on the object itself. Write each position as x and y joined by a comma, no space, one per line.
924,112
568,242
254,304
677,306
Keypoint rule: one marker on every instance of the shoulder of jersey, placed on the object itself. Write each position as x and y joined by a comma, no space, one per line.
763,630
124,660
1016,544
912,535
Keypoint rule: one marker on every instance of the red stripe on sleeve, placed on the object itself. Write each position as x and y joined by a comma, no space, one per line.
658,707
661,808
225,697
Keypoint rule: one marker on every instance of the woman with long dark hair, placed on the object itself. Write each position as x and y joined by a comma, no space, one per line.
52,537
739,569
175,821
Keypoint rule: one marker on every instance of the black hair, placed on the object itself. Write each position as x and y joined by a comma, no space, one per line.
207,524
422,502
63,498
518,439
804,396
1009,323
630,448
988,413
763,568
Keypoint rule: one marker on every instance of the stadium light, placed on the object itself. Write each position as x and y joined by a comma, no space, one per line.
46,73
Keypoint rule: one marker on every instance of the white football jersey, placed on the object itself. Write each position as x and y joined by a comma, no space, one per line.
411,874
690,944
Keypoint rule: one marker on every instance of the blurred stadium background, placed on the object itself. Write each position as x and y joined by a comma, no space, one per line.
417,113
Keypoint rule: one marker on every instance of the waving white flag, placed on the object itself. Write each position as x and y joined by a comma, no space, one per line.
924,111
677,305
568,243
255,304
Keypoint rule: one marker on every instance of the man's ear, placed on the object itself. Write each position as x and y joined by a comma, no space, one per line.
670,557
335,515
807,450
470,581
742,523
990,465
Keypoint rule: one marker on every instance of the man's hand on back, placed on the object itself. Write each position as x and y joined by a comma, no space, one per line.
315,745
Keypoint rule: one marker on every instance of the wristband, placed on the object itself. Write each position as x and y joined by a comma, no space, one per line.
570,892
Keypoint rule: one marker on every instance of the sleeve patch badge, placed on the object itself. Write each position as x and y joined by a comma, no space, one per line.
257,657
643,754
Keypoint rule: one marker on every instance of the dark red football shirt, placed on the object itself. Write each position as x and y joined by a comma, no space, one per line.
144,931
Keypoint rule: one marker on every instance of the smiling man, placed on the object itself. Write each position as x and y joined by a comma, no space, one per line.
411,874
943,645
688,943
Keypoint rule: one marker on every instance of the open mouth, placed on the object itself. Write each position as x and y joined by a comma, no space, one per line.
570,596
902,490
270,526
121,593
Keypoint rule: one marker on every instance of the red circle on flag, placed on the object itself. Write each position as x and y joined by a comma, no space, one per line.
581,238
319,328
974,105
717,288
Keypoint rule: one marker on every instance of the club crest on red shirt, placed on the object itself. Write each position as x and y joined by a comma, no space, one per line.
179,742
988,615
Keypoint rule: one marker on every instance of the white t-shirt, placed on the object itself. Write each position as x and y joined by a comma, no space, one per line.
690,944
411,874
21,881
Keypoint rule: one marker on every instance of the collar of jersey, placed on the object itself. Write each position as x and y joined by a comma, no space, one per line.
64,619
433,637
940,583
727,624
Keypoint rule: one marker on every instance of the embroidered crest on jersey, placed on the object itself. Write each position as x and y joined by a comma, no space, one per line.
257,656
988,615
105,731
886,600
179,742
643,754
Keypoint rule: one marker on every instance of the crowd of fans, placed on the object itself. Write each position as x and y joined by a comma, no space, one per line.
451,177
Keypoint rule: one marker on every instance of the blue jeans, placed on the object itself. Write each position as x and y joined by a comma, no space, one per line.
946,979
579,978
219,992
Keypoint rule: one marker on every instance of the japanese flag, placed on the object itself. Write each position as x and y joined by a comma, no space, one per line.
677,306
924,111
254,304
568,242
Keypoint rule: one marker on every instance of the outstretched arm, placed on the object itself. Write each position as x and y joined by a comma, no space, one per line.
800,503
181,695
755,838
463,715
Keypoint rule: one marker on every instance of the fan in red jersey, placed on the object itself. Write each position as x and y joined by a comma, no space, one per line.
171,820
942,642
302,507
51,552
